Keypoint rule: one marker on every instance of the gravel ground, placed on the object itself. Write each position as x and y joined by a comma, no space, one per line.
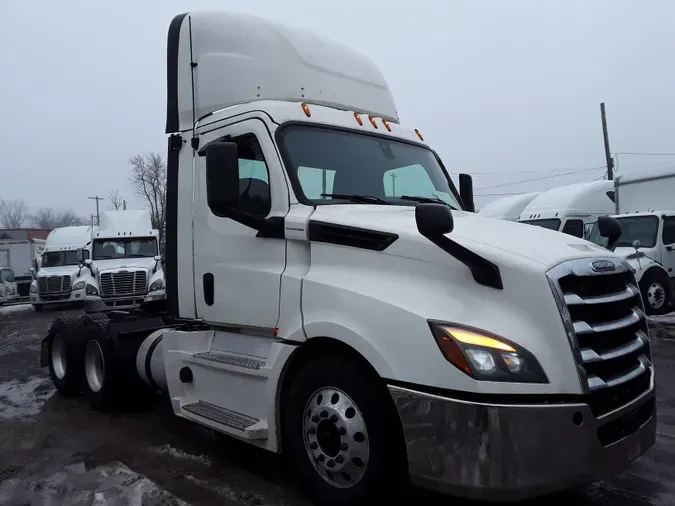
56,451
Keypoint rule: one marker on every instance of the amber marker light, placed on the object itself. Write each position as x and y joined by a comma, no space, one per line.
305,108
358,118
372,121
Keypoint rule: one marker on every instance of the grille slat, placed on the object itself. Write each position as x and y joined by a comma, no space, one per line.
604,316
53,284
114,284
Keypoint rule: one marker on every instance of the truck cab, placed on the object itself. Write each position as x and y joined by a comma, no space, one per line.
572,209
647,242
508,208
125,266
8,289
56,274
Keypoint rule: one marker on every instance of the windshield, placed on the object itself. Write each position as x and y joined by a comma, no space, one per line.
638,228
137,247
7,275
59,258
551,224
329,166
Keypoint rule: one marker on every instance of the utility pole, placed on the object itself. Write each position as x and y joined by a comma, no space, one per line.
605,136
98,216
393,183
124,205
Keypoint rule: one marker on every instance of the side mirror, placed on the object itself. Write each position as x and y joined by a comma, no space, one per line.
466,192
158,258
609,228
222,176
434,219
637,244
80,256
88,261
33,272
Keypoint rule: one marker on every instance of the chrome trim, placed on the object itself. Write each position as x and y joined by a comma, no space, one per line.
589,356
581,327
572,299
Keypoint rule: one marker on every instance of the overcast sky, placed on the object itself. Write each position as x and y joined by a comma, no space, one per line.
508,90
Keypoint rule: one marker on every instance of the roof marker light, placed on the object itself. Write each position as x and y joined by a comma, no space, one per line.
305,108
358,118
386,124
372,121
419,134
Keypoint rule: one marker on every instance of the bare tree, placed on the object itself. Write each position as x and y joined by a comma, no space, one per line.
13,213
116,200
48,218
148,180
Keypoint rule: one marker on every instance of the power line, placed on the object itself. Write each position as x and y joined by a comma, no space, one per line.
541,178
645,154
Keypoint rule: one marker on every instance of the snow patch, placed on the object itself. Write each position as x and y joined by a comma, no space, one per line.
15,308
20,399
181,455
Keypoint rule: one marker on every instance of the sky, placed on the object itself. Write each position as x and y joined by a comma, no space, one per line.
506,90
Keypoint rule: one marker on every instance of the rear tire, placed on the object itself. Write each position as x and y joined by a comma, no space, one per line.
655,290
342,434
65,349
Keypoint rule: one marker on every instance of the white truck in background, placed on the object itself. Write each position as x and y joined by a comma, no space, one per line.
8,289
21,254
645,208
508,208
372,336
125,267
572,209
56,276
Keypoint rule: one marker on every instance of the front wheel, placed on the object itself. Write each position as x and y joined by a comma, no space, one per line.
342,434
655,291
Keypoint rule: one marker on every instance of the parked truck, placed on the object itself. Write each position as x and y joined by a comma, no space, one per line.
508,208
125,266
372,336
645,208
57,275
8,288
21,254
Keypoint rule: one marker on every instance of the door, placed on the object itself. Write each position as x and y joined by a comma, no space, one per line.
668,236
237,273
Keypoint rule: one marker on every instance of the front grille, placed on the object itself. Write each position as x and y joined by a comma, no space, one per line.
115,284
53,284
604,316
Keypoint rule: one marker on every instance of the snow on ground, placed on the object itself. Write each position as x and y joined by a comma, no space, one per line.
15,308
668,319
181,455
21,399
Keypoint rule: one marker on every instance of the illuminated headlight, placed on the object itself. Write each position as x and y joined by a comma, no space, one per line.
91,290
485,356
33,289
79,285
158,284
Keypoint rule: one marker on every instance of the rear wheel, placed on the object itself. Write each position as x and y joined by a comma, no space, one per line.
342,434
655,291
65,349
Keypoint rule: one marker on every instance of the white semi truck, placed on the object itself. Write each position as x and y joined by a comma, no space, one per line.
8,288
572,209
372,336
125,265
20,253
508,208
645,208
56,276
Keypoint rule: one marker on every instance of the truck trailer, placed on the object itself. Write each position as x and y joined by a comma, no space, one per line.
373,336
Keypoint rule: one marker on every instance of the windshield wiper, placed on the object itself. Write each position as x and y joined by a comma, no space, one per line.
360,199
425,200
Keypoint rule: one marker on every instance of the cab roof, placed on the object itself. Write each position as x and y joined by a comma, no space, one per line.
594,197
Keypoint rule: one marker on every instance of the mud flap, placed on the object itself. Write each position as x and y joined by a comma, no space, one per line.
44,352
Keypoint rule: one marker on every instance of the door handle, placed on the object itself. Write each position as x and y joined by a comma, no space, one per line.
207,285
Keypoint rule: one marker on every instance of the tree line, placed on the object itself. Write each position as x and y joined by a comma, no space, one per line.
147,179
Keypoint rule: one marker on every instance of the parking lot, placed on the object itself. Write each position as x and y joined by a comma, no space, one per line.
58,451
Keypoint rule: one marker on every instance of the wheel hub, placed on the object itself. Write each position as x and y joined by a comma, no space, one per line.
336,438
656,295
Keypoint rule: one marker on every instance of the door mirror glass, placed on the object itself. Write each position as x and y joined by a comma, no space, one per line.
466,192
222,176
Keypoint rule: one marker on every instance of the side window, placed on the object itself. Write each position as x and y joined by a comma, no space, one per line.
669,230
574,227
411,180
316,182
254,183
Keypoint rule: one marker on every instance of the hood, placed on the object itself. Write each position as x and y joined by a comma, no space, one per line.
63,270
125,264
473,231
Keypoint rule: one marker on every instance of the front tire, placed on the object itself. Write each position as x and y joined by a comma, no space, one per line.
65,350
655,292
342,434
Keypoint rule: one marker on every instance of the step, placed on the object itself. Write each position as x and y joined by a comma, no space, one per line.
249,427
229,359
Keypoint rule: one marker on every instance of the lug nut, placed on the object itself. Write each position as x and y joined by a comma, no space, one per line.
342,431
333,418
339,459
324,414
343,447
321,458
330,463
313,445
311,430
315,419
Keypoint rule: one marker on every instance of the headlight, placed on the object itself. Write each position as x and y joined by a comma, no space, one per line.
485,356
91,290
79,285
33,289
158,284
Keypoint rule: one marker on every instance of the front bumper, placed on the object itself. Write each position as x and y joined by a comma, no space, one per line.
57,297
97,304
503,452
